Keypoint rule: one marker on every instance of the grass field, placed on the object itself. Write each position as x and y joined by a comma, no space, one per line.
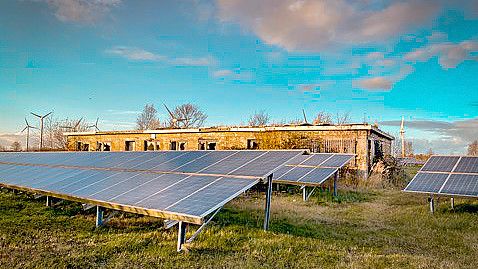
361,229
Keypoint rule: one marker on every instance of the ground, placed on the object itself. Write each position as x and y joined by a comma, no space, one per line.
362,228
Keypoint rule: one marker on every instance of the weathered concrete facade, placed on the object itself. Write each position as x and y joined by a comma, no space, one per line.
366,141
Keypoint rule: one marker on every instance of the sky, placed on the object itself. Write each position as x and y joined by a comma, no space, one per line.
376,60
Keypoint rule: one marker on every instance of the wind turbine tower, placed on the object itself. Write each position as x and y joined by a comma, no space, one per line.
41,117
402,136
28,127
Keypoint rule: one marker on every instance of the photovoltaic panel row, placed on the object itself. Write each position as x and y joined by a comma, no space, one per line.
303,175
194,196
312,169
238,163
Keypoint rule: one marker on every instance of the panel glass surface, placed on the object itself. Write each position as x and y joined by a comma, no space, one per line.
427,182
467,165
459,184
440,163
264,164
318,175
338,160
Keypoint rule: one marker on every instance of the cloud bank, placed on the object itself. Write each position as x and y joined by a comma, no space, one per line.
81,11
450,135
324,24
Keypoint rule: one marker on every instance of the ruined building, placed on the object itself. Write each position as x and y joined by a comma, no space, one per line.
368,142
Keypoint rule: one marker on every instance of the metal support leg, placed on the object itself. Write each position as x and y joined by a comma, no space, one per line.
181,235
336,178
202,226
99,216
432,204
48,201
452,201
304,193
268,203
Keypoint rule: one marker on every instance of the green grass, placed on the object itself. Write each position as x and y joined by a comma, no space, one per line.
360,229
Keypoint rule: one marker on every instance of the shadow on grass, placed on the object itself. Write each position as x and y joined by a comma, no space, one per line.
463,208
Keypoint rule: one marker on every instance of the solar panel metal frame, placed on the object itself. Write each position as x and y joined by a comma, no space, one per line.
131,208
448,176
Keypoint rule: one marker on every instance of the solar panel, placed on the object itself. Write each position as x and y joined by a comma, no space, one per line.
458,176
313,169
461,184
175,185
467,165
426,183
440,163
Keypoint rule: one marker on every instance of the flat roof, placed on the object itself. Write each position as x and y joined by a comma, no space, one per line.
345,127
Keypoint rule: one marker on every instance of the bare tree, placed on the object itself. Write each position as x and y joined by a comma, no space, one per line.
2,148
342,118
473,148
259,118
148,119
322,118
16,146
55,128
187,116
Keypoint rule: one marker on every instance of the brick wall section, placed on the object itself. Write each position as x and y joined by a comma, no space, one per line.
278,139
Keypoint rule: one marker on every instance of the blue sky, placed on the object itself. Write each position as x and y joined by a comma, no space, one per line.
375,59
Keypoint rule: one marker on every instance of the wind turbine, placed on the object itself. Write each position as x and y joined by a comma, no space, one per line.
94,125
402,136
174,120
27,127
41,117
74,127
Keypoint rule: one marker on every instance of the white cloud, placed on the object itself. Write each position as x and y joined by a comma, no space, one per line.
222,73
374,83
138,54
134,54
234,75
83,11
449,54
191,61
315,25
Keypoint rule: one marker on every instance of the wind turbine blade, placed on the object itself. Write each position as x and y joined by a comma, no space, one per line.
78,123
169,111
47,114
35,114
26,122
24,129
305,118
96,124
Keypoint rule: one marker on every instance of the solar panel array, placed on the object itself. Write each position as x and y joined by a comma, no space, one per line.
183,186
448,175
313,169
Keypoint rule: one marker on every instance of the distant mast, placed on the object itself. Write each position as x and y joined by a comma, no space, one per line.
402,136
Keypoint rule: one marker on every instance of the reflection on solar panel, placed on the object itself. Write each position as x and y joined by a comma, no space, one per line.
311,170
447,175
